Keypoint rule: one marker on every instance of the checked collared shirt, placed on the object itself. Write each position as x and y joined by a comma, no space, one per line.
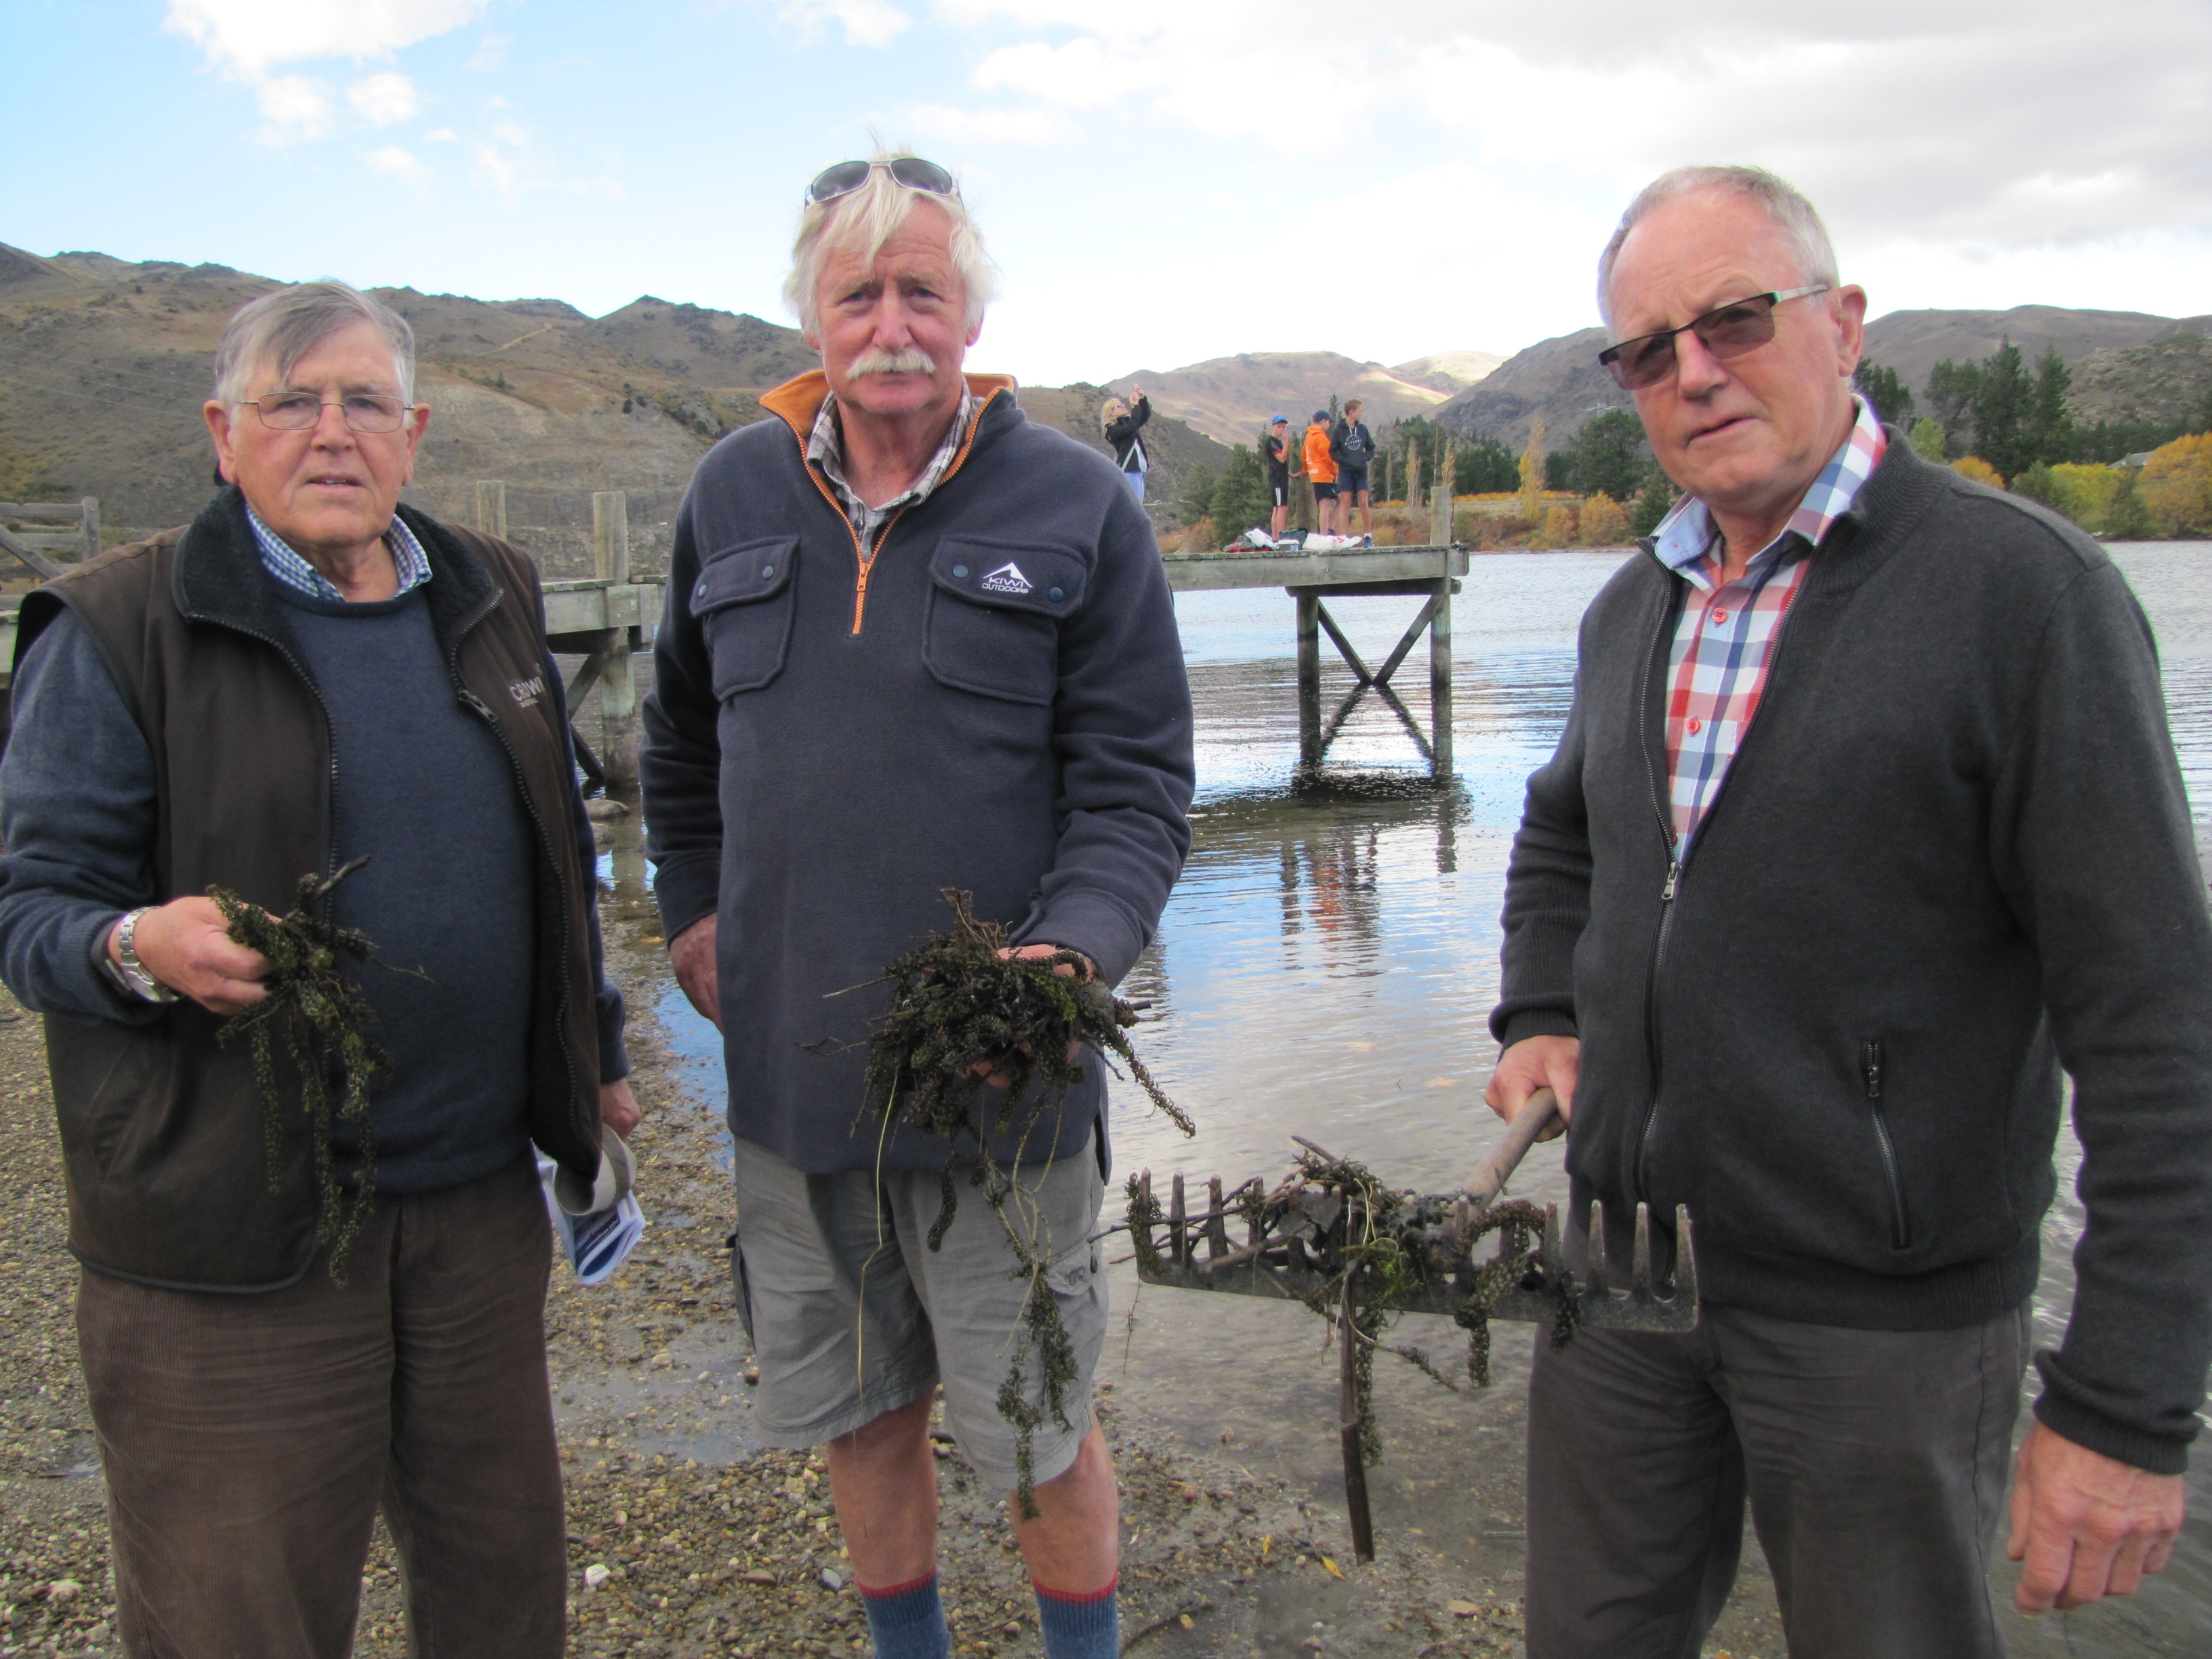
1725,640
825,448
408,559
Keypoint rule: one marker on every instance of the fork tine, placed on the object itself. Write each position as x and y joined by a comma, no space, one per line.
1686,1259
1555,1253
1217,1224
1178,1225
1600,1275
1639,1271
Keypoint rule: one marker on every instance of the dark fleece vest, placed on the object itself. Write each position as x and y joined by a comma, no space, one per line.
160,1124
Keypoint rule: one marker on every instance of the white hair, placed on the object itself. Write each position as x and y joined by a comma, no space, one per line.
280,328
1793,216
865,219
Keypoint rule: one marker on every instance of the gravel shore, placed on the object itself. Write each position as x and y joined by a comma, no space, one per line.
684,1538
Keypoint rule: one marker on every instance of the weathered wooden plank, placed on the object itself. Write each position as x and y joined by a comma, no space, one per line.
591,606
66,512
1208,572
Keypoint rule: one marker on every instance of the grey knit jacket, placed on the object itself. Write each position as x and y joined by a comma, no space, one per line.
1952,859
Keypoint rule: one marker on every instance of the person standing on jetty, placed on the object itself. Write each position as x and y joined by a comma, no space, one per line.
1124,424
914,642
1320,467
1865,831
1351,446
306,674
1275,450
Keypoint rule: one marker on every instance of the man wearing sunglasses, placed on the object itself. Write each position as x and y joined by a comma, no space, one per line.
309,675
1864,826
913,643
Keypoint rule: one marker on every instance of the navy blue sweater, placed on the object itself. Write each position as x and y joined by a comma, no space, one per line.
421,788
1000,707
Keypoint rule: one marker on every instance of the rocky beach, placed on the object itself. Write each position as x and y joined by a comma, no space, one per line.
683,1539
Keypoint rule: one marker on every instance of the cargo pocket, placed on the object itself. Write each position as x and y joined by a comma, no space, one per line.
995,610
742,599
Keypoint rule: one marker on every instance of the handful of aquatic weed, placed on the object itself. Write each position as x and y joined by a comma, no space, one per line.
321,1012
959,1011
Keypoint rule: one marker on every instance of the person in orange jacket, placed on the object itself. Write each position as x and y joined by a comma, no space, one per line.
1320,467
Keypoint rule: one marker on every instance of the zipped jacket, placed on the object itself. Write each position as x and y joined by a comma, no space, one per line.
162,1124
988,696
1953,855
1123,433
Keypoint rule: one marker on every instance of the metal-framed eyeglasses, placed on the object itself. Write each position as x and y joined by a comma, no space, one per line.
911,170
364,412
1728,331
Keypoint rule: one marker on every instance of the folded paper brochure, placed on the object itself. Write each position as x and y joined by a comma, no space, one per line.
597,1242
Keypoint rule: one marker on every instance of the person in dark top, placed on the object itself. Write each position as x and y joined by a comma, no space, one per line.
1351,445
307,675
1124,423
1275,451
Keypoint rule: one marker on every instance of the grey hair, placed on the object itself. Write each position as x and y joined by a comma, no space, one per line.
280,328
1792,214
867,218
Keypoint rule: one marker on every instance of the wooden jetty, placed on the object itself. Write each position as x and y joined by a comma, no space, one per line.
1312,579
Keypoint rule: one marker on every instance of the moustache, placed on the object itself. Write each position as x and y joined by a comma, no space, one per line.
912,361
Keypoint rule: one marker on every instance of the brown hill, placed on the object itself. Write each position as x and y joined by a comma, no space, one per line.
2166,382
1914,342
1230,398
104,365
1557,379
1448,371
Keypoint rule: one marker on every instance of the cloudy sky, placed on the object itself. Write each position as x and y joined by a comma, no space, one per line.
1161,180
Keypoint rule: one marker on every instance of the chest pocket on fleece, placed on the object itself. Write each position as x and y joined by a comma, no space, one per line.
995,610
742,599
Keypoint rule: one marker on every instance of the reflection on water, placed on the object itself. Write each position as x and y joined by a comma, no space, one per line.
1325,967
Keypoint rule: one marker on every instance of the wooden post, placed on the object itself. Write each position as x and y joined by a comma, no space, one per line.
618,685
1440,501
491,509
1440,672
1347,1430
90,505
1413,477
1308,675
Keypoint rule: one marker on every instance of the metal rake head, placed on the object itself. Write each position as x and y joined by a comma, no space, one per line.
1301,1237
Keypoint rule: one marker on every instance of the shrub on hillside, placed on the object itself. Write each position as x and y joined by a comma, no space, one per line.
1653,505
2086,493
1558,527
1927,438
2177,486
1974,467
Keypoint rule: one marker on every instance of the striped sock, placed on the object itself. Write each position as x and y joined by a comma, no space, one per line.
907,1621
1078,1627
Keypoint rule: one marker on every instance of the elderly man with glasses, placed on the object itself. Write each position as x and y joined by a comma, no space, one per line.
913,643
288,1321
1865,833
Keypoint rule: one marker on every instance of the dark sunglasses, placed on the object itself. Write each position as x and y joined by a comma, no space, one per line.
908,170
1728,331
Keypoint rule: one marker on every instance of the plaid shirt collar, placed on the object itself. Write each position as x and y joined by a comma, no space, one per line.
1687,541
826,449
408,559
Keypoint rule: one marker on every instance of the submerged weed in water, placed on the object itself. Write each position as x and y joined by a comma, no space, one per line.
321,1014
963,1014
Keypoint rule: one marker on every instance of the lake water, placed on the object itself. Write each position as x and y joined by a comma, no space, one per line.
1325,967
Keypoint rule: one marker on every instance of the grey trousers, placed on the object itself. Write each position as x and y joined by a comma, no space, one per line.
250,1440
1875,1462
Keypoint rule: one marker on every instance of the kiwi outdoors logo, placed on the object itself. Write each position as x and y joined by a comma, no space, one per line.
527,692
1006,578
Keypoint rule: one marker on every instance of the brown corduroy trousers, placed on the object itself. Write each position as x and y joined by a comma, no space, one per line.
250,1440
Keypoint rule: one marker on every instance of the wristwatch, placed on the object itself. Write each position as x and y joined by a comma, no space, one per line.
129,975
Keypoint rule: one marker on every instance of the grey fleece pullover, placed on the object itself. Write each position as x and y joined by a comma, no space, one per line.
1953,856
999,706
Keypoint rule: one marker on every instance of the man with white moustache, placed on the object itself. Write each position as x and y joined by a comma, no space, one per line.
1864,836
913,642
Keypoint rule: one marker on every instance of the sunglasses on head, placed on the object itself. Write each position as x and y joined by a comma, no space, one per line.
1728,331
908,170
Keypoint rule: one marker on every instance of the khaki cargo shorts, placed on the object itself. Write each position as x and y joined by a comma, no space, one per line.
852,1315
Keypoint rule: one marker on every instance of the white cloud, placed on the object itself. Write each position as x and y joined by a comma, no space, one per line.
983,126
401,164
249,36
865,23
382,99
2009,122
441,136
509,159
296,106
